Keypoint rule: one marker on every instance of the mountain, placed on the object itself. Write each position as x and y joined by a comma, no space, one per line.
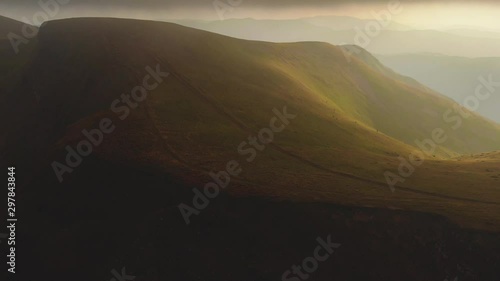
375,64
339,126
455,77
13,27
349,110
471,32
387,41
10,62
263,30
349,23
8,25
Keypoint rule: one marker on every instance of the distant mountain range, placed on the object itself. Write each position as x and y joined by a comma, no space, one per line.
395,39
455,77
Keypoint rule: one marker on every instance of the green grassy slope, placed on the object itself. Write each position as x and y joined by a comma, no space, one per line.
326,80
352,121
374,63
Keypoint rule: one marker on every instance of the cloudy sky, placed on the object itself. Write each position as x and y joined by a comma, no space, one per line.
420,14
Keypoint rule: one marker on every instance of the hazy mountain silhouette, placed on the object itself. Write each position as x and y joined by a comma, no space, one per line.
455,77
388,41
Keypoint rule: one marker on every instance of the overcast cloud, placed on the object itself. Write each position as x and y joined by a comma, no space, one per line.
418,13
254,3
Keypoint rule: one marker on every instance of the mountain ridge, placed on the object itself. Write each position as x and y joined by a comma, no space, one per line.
387,42
216,87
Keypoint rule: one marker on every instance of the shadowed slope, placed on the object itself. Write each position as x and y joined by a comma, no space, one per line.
8,25
221,90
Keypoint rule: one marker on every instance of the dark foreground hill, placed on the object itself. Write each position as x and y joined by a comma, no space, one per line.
348,123
8,26
10,61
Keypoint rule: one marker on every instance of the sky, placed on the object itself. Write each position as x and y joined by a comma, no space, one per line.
424,14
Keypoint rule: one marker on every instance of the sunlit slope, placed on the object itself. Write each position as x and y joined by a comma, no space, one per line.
325,79
317,77
222,90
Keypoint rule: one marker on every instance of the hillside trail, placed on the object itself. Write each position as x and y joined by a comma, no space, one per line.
200,93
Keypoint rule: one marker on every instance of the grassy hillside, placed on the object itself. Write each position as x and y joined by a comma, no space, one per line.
352,123
375,64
